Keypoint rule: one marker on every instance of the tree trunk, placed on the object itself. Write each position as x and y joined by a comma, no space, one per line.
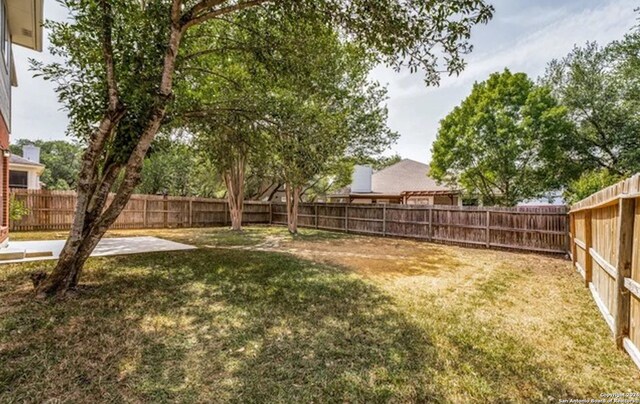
91,218
234,180
293,199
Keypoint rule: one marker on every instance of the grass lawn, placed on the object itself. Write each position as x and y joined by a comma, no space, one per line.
322,317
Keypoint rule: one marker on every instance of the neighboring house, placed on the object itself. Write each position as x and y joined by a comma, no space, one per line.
20,24
554,198
405,182
25,171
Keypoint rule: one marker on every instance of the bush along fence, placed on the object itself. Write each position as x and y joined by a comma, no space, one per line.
539,229
605,250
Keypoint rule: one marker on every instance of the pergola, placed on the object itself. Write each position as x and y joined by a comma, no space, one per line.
401,198
406,195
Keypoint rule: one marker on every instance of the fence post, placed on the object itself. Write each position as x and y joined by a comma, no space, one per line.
165,208
190,212
430,223
224,219
567,236
424,220
270,212
315,208
621,315
588,240
488,229
145,221
572,238
346,218
384,220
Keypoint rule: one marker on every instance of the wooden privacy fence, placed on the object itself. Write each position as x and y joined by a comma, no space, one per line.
540,229
54,210
605,249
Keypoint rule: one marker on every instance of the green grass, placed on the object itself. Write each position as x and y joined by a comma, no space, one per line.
220,325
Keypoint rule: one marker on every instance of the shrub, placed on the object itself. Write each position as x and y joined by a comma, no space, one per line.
17,209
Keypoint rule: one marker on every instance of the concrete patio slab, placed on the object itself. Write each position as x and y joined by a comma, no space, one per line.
106,247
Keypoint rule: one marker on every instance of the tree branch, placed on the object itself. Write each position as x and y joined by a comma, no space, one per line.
214,73
107,51
190,19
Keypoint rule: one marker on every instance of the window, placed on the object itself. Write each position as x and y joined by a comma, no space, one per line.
18,179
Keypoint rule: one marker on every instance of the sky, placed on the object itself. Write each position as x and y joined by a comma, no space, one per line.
523,36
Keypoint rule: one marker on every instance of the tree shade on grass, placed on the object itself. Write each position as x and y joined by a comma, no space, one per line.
373,320
122,58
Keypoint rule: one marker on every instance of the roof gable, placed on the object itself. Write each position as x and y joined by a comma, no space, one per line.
406,175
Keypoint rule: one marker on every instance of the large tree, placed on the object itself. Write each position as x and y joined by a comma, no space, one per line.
220,100
232,144
239,104
502,141
321,116
120,66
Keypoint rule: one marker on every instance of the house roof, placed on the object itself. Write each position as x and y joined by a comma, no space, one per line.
14,159
404,176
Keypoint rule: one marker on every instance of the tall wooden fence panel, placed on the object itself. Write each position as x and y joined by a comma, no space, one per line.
605,250
54,210
541,229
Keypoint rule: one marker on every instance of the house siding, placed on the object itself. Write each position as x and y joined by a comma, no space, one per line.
5,72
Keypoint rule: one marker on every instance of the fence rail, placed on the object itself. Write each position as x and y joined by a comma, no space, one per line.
605,250
538,229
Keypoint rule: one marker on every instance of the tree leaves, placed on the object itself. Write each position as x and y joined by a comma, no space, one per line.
601,89
500,144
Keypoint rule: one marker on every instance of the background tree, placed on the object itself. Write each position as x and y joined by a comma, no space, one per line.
589,183
120,65
173,167
599,87
501,142
61,160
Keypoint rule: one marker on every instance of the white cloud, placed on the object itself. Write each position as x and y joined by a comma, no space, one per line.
555,39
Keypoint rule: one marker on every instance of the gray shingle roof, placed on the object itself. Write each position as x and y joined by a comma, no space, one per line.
14,159
405,175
